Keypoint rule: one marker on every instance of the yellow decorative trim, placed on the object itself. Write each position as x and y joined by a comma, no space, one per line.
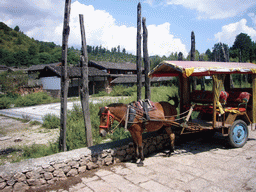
189,71
253,70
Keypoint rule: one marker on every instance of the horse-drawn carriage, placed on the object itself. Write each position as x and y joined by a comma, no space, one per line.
227,110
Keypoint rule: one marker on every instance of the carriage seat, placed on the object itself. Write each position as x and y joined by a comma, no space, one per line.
206,98
237,100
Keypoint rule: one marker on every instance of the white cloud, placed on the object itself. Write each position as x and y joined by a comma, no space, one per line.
161,42
229,32
217,9
253,17
100,27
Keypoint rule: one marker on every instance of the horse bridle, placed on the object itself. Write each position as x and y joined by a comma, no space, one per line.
109,119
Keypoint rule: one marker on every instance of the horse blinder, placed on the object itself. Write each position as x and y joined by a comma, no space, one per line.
109,117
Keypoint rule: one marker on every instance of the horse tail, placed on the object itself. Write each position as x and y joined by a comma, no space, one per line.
175,99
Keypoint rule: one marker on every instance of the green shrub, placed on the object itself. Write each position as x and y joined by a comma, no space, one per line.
33,99
5,102
120,90
51,121
36,150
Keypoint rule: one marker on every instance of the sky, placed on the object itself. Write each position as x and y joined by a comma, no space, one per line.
110,23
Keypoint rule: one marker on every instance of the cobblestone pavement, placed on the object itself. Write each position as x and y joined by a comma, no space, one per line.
197,165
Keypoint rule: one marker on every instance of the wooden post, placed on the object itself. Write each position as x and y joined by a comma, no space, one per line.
254,101
64,77
84,86
146,59
138,58
192,57
214,104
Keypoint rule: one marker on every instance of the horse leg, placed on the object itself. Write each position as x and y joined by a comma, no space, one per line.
140,147
136,148
172,138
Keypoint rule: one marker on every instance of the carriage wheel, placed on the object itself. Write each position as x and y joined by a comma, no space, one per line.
238,134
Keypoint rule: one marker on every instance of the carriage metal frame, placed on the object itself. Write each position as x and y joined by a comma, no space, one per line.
233,125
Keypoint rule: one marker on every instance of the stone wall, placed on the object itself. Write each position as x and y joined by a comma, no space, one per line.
33,173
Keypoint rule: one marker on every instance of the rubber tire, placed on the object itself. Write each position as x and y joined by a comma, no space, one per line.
239,126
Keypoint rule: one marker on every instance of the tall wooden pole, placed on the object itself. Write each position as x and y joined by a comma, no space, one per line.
138,58
193,56
254,101
146,59
84,90
64,77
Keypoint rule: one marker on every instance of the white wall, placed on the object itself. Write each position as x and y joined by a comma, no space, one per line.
51,83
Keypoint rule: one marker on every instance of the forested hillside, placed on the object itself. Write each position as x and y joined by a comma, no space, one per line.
17,49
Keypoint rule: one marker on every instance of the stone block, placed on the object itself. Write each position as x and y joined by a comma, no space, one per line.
74,164
2,185
82,169
20,187
48,176
72,173
92,165
48,168
7,189
19,177
59,165
59,173
66,169
36,182
32,175
10,182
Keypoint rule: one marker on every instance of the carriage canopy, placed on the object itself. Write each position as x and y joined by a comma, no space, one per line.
201,68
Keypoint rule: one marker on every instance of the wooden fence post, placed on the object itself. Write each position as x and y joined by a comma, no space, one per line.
146,59
64,77
138,58
192,57
84,86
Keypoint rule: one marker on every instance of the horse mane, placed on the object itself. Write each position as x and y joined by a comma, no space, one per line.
116,105
111,105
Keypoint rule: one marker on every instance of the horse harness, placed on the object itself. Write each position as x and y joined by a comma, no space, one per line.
140,108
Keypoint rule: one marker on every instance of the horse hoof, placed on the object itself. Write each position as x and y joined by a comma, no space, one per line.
168,154
140,164
133,161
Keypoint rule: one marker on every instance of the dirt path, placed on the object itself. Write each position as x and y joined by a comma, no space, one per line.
15,134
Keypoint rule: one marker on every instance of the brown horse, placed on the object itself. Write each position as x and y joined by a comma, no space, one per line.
162,116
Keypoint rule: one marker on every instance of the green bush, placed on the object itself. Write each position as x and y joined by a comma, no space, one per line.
36,150
120,90
33,99
51,121
5,102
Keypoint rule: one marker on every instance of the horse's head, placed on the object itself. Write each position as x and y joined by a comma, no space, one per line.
106,120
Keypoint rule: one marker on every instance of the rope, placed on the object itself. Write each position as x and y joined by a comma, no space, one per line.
113,130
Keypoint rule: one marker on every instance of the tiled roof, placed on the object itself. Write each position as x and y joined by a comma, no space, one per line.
75,72
111,65
133,79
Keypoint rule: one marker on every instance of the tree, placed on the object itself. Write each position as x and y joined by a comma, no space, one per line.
17,28
45,58
180,56
243,46
21,58
11,81
208,53
220,52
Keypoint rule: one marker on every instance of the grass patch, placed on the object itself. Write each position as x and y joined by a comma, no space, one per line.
51,121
